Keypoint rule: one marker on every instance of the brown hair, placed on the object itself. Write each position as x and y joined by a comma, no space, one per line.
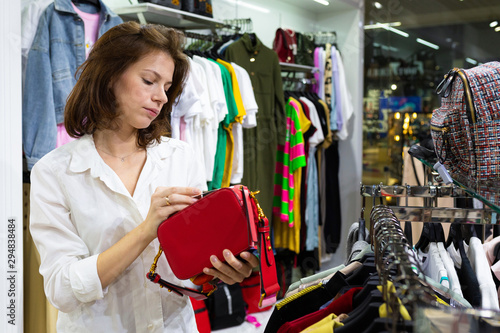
91,104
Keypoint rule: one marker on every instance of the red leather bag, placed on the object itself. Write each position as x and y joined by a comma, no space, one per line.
251,294
227,218
285,45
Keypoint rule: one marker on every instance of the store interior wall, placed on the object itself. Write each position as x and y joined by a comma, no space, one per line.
11,198
346,19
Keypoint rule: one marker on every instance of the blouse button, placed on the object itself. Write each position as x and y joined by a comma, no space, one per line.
150,326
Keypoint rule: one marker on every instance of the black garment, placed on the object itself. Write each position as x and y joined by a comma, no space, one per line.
306,303
333,218
468,279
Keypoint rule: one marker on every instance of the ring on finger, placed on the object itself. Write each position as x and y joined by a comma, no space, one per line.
168,201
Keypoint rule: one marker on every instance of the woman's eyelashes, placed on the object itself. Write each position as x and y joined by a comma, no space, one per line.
147,82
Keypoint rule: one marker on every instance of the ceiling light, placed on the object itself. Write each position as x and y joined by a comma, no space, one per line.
387,26
377,5
244,4
323,2
497,29
382,25
471,61
385,47
493,24
426,43
397,31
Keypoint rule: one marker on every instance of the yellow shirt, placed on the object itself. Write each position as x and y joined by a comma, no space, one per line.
325,325
228,164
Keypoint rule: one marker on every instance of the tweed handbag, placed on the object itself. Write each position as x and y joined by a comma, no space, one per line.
466,128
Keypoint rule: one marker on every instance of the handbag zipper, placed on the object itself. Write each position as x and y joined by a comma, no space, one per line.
229,300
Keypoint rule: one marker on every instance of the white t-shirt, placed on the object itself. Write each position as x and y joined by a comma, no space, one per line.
247,96
80,208
450,268
318,136
433,266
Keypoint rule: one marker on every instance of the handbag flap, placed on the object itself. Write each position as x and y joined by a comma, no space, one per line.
209,226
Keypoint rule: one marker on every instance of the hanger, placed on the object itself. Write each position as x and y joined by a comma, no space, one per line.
427,236
359,317
454,235
362,224
253,38
439,232
386,325
95,3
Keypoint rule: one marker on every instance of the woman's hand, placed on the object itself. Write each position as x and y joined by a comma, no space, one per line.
234,270
166,201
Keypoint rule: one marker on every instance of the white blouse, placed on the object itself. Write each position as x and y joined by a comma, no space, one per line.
80,208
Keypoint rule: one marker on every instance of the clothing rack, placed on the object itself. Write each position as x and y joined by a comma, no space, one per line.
242,24
429,191
430,213
323,37
299,79
393,253
209,38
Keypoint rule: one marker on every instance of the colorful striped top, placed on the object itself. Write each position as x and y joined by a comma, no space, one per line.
290,158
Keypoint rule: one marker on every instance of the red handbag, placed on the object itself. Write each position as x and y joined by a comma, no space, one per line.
251,293
227,218
285,45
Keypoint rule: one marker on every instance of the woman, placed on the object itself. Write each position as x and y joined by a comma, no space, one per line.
96,202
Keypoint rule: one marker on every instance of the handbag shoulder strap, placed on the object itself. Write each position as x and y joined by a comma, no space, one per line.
269,286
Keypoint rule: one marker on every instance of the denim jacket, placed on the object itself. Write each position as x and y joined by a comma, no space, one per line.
57,50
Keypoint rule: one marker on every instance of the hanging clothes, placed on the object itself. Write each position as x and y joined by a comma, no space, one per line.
260,142
290,158
224,137
30,16
57,50
249,121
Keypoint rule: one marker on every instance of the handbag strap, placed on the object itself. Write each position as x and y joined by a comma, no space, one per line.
207,288
269,286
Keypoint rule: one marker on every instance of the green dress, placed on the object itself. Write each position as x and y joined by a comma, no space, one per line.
260,143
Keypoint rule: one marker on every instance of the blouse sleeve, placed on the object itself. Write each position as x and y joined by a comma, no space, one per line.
69,271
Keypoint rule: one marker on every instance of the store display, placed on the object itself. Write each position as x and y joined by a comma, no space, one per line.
167,3
466,127
201,7
285,45
305,49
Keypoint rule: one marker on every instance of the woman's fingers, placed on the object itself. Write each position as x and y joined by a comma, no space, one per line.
233,270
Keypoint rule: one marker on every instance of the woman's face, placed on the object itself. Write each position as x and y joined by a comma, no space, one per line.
141,90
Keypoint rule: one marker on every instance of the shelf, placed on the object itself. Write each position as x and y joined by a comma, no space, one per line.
487,193
297,68
153,13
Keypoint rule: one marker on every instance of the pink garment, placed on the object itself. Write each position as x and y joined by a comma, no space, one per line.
489,249
62,136
182,129
91,24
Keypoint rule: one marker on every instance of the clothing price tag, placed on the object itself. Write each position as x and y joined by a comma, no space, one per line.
443,173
